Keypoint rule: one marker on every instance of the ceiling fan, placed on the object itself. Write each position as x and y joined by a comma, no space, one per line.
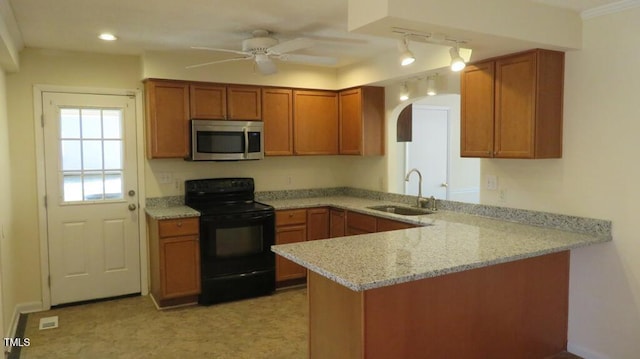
263,48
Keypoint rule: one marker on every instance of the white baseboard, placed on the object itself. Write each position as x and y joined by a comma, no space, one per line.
30,307
584,352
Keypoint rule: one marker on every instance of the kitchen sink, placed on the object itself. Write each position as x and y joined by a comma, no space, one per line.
403,210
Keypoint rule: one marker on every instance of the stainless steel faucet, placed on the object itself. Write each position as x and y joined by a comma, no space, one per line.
420,201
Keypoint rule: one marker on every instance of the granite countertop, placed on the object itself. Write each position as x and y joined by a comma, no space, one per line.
170,212
449,242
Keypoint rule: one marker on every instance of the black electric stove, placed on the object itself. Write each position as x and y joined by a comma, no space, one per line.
236,235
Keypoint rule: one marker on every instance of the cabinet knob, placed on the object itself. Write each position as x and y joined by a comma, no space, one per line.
179,224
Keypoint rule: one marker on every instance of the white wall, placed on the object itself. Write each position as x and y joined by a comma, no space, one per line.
597,177
6,218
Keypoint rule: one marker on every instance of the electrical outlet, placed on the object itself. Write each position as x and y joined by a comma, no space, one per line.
491,182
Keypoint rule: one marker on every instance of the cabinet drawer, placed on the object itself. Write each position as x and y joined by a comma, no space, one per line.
294,216
178,227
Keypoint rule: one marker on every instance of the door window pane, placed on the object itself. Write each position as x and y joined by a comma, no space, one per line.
93,187
92,155
71,155
91,150
111,124
112,155
72,187
69,123
113,185
91,123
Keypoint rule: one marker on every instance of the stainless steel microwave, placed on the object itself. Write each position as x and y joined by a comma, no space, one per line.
221,140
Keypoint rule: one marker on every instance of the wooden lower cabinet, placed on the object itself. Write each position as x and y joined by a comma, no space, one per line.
358,223
384,225
317,223
174,251
517,309
291,227
337,223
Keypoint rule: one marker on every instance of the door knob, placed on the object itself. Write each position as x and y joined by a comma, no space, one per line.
132,193
132,207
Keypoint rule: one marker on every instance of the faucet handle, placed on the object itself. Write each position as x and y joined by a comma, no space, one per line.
434,206
423,202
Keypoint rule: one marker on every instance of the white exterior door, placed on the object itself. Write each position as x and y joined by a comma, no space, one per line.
92,196
429,152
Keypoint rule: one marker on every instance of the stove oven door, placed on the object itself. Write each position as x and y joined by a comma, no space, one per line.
232,244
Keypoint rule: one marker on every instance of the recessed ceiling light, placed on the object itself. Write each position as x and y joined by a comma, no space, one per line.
107,37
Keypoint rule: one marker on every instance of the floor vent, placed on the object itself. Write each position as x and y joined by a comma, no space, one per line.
48,323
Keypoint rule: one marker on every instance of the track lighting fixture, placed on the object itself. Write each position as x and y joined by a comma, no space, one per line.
457,62
404,93
406,56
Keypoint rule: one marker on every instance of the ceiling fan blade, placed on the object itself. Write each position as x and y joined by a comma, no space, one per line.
309,59
220,50
265,65
291,45
219,61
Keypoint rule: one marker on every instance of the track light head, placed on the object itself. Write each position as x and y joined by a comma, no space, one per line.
406,56
404,93
457,62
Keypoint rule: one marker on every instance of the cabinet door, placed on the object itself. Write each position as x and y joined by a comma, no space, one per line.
277,115
362,121
315,119
286,269
514,110
358,223
244,103
167,105
208,102
351,136
317,223
384,225
477,96
337,223
180,266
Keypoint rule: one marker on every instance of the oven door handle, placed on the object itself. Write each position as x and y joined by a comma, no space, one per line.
246,142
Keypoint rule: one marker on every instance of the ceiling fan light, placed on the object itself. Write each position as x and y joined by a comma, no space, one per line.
457,62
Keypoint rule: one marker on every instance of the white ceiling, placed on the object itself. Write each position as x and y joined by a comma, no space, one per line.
144,25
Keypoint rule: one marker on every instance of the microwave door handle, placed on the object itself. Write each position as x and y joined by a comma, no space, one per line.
246,142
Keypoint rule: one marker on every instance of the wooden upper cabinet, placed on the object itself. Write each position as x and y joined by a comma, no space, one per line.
277,115
167,118
476,110
244,103
315,118
362,121
208,101
225,102
512,106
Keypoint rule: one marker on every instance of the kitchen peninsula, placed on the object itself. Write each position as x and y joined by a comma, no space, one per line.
460,286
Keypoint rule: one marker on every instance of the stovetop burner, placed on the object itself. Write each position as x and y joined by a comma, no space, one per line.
215,196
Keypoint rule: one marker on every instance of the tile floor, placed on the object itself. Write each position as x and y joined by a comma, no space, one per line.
273,327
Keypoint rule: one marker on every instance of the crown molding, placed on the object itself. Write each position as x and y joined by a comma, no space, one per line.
609,9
